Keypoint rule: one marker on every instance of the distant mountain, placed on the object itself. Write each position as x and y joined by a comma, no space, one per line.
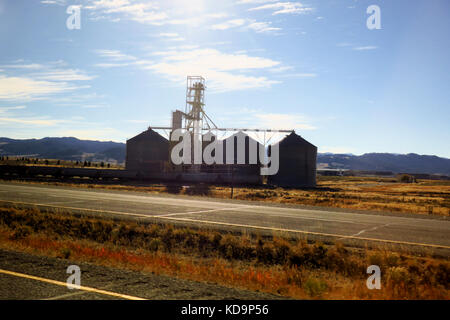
407,163
70,148
67,148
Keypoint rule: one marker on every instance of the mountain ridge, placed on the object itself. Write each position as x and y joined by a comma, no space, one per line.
71,148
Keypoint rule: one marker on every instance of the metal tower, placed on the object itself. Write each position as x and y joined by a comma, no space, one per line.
195,118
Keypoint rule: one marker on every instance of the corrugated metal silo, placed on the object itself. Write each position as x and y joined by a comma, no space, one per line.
297,163
147,152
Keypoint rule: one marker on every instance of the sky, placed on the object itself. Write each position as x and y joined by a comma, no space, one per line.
313,66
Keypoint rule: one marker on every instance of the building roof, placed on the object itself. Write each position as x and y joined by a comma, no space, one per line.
149,134
295,139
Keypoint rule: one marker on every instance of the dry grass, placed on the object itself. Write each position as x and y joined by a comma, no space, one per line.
290,267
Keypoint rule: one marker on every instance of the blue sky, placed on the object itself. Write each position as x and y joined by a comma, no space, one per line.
312,66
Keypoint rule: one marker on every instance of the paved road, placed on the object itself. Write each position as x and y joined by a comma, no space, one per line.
24,276
411,231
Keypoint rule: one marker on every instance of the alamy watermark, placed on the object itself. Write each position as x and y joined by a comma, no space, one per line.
74,20
182,152
74,280
374,20
374,281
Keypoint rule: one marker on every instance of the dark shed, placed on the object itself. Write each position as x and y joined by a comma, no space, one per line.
297,163
147,151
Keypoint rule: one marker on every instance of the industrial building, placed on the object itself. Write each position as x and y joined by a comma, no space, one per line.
148,154
297,163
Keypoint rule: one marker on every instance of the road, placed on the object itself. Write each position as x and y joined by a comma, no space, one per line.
406,231
28,277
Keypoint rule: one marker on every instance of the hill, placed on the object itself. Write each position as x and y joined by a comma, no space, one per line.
66,148
69,148
405,163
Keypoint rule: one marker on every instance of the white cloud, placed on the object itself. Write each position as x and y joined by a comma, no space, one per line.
57,2
111,65
284,8
114,55
118,59
8,109
142,12
214,59
281,69
259,27
38,81
169,34
228,24
64,75
23,88
255,1
263,27
31,121
365,48
223,71
95,106
30,66
102,134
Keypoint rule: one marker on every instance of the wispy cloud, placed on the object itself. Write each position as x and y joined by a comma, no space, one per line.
29,66
57,2
115,58
229,24
284,8
254,1
168,35
224,71
31,121
24,88
64,75
171,36
143,12
263,27
8,109
35,81
246,24
365,48
114,55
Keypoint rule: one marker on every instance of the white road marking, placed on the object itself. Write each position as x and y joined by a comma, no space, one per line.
64,202
240,225
371,229
93,195
309,232
192,212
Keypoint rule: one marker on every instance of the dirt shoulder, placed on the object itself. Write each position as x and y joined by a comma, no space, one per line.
139,284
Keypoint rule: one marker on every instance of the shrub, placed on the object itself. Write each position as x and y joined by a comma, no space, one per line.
65,253
21,232
154,244
407,178
315,287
